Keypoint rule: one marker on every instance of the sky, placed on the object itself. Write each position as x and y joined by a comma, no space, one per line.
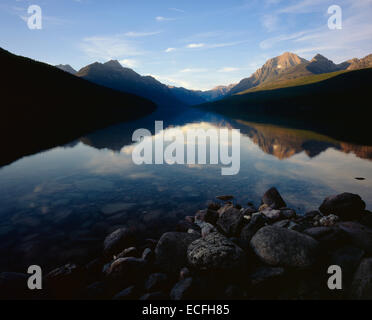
194,44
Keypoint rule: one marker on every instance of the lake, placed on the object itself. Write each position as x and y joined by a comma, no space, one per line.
58,205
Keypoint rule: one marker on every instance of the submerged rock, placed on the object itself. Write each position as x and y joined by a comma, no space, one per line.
273,199
347,206
216,253
283,247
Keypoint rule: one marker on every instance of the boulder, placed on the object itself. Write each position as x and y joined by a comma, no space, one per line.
129,252
257,221
347,206
215,252
273,199
183,290
148,255
207,215
231,222
118,240
171,250
361,286
225,197
272,214
282,247
366,218
359,234
288,213
328,237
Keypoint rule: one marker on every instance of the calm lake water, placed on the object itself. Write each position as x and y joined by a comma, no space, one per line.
58,205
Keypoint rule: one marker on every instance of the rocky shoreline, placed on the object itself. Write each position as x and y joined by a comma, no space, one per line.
226,251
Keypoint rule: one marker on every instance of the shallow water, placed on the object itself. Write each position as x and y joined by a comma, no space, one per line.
58,205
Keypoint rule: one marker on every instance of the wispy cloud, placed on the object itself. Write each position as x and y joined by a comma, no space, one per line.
228,69
161,19
177,10
195,45
270,22
109,47
134,34
169,50
193,70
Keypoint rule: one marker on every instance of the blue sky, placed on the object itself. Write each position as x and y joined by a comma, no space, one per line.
195,44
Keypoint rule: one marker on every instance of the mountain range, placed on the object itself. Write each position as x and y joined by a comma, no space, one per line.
43,106
280,69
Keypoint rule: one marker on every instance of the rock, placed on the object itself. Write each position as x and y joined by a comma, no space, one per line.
190,219
118,240
348,258
288,213
329,220
359,234
129,293
224,208
127,271
328,237
171,250
155,296
214,206
281,224
273,199
263,207
311,215
361,286
263,274
215,252
272,214
183,290
156,282
283,247
148,255
231,222
347,206
207,229
225,197
208,215
129,252
248,211
257,221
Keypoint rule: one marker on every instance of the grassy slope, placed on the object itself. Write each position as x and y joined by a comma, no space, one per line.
338,106
43,106
293,82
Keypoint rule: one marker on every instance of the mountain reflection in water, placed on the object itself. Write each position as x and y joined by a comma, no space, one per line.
57,206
